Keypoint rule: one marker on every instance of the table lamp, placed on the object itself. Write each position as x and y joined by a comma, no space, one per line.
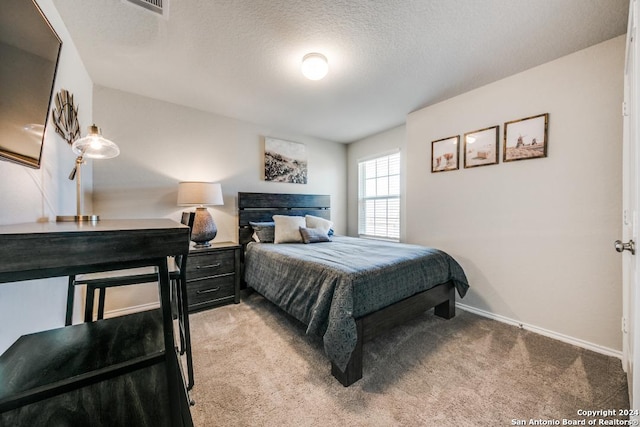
92,146
201,194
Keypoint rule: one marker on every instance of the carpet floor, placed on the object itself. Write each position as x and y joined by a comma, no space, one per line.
254,366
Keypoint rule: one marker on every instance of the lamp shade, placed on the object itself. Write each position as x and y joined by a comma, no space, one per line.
193,193
95,146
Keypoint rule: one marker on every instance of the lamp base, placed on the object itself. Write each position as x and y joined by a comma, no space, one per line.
203,229
202,245
77,218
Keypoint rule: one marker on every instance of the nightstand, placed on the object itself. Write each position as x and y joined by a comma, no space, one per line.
213,276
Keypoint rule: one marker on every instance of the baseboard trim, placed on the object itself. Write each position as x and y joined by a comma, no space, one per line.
547,333
131,310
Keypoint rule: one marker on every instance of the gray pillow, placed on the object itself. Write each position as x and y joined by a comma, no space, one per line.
263,231
314,235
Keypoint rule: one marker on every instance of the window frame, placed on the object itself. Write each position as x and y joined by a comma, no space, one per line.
362,198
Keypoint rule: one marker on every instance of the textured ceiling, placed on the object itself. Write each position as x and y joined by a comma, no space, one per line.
241,58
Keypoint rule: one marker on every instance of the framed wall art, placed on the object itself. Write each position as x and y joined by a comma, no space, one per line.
285,161
444,154
481,147
526,138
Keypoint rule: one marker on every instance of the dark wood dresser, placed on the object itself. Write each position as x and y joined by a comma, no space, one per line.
119,371
213,276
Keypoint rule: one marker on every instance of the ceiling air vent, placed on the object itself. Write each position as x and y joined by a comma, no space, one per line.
158,6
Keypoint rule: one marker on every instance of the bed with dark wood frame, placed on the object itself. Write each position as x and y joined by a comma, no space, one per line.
257,207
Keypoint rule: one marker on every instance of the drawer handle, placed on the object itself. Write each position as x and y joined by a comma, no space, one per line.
215,276
198,267
208,291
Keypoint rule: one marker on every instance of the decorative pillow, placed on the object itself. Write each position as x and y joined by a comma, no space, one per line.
263,231
288,228
314,235
317,222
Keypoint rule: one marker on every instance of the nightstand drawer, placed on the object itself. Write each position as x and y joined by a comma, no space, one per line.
210,264
213,276
210,289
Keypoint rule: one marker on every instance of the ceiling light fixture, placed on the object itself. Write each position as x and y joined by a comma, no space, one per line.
315,66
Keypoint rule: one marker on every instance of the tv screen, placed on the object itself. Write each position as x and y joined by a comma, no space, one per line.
29,52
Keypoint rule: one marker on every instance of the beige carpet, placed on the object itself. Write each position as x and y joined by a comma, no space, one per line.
254,366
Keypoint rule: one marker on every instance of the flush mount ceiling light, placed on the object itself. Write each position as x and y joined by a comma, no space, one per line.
314,66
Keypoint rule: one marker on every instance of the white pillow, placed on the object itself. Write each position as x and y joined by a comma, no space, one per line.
317,222
288,228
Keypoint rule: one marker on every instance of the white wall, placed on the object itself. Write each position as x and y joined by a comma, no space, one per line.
162,144
535,236
30,195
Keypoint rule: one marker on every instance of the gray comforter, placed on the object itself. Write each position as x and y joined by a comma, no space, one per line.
327,285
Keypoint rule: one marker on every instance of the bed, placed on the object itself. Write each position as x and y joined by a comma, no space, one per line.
347,290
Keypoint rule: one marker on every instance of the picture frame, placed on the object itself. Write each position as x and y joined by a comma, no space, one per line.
285,161
444,154
481,147
526,138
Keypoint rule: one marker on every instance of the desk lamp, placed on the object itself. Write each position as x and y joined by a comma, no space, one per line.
92,146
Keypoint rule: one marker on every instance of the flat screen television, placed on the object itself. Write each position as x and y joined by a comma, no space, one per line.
29,53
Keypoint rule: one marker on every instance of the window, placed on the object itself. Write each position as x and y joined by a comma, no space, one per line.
379,197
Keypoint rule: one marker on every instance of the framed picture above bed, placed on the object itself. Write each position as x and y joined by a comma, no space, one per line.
481,147
444,154
285,161
526,138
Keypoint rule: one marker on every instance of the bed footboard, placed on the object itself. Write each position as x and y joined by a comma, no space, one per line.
441,297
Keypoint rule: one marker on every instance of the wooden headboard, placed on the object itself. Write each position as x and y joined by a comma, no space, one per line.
259,207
